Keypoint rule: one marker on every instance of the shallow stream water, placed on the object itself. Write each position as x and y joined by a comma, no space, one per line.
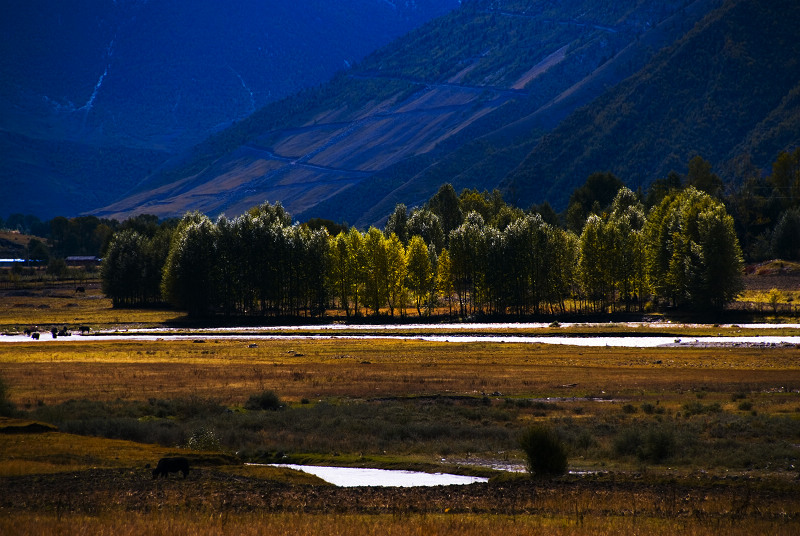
450,334
355,476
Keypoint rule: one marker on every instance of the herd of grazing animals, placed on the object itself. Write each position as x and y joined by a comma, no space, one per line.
34,332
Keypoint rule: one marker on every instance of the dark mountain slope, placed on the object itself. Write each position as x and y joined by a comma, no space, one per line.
729,86
496,147
164,75
77,173
464,79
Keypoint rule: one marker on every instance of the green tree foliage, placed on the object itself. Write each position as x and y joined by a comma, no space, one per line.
786,236
419,272
426,224
444,279
192,269
612,260
532,256
131,269
662,187
123,268
445,205
785,177
27,224
701,177
38,252
83,235
396,272
628,273
341,279
592,198
257,263
398,223
144,224
596,262
331,226
468,262
357,265
685,250
377,270
548,214
693,253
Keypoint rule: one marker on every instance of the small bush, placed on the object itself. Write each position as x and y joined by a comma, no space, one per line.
653,445
266,400
745,405
546,453
585,441
629,408
698,408
658,445
650,409
627,442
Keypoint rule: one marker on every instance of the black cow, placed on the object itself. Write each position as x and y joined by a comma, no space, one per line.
35,335
84,330
80,289
171,465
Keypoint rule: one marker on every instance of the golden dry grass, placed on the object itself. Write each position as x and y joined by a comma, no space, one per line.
230,371
62,306
55,452
127,523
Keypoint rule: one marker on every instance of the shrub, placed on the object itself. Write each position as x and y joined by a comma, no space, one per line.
658,445
627,442
697,408
545,452
266,400
653,445
650,409
584,441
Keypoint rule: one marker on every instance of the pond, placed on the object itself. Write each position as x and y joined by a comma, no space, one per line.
356,476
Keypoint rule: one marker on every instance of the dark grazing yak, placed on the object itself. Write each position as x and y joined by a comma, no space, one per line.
171,465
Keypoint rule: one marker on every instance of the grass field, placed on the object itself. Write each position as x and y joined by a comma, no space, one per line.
660,441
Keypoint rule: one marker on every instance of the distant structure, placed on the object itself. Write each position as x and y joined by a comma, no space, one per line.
82,260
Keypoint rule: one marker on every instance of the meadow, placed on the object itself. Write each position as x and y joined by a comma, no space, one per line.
660,440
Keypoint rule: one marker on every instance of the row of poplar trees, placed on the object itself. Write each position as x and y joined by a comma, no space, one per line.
492,260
